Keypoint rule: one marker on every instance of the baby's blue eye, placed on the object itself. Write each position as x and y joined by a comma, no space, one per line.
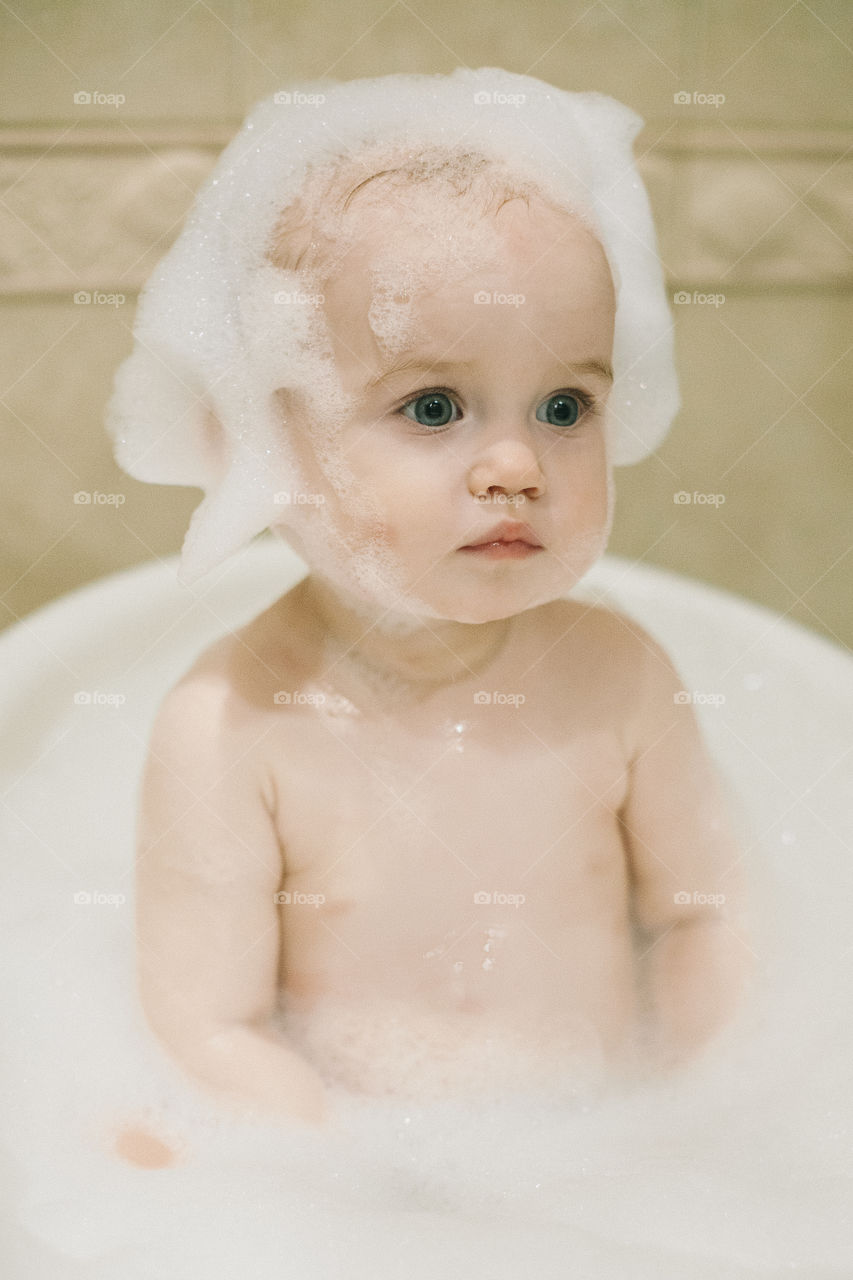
561,411
435,409
431,410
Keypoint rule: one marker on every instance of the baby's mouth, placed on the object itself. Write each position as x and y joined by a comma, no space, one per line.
509,533
509,538
502,550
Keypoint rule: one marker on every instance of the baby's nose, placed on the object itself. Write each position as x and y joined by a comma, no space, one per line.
509,465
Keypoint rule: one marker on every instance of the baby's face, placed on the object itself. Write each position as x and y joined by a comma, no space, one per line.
490,409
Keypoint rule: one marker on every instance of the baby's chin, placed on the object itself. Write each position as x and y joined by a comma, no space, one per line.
477,594
490,607
411,595
492,601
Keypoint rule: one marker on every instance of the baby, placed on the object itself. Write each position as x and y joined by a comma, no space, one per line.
427,825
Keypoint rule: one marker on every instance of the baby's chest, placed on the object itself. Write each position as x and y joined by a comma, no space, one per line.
367,815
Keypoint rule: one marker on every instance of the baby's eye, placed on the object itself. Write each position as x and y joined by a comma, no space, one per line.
433,409
563,410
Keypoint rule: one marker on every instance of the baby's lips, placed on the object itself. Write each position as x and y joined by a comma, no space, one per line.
507,531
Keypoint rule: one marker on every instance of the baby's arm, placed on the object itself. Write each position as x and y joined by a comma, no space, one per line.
208,866
683,856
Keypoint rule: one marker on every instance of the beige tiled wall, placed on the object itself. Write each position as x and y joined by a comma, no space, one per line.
752,196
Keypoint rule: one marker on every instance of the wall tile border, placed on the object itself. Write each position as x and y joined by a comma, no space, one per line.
92,208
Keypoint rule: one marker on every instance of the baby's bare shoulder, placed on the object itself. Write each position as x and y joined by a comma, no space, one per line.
215,712
600,636
608,668
240,671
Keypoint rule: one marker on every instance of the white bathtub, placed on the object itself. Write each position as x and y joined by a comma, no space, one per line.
741,1169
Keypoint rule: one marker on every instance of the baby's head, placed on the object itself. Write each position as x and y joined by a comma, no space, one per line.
468,321
392,322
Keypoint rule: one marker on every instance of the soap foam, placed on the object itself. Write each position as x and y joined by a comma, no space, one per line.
195,402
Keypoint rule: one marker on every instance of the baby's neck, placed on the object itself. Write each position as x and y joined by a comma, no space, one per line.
424,653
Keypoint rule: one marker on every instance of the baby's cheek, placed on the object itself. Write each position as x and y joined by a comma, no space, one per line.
594,493
374,517
385,527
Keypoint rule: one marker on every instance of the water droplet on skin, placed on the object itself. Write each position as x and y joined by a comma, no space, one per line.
456,731
492,933
335,704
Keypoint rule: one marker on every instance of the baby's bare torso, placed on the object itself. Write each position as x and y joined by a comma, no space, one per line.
454,880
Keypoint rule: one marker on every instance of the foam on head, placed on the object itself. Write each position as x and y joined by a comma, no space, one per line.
232,316
446,196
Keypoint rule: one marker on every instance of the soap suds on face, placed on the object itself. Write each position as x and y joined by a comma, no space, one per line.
402,512
220,328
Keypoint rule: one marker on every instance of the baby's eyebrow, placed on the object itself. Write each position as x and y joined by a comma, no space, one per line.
420,365
601,367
